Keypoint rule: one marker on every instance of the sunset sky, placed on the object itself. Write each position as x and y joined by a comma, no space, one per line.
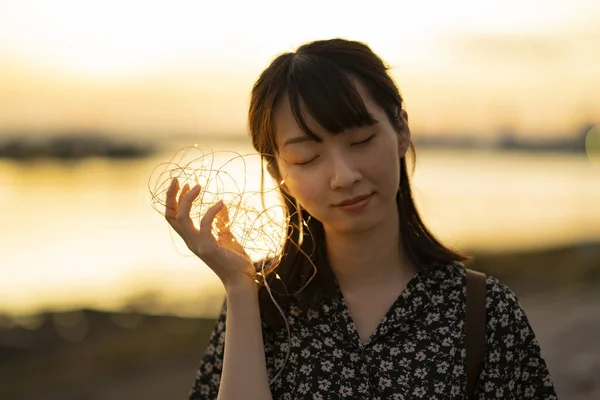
187,67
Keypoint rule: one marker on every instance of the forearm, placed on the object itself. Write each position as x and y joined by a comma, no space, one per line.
244,373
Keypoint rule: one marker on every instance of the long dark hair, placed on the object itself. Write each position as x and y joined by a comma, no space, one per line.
318,76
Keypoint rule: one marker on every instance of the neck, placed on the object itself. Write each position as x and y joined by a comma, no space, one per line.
370,257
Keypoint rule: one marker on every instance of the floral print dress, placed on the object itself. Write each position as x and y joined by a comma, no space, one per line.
417,351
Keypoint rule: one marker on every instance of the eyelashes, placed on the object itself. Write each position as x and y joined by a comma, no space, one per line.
361,143
367,140
306,162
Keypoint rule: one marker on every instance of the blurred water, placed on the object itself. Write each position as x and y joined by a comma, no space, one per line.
85,234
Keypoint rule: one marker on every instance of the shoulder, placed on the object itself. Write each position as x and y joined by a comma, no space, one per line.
502,305
507,324
502,302
500,299
506,318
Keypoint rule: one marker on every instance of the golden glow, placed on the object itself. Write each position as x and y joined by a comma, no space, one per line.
104,65
99,243
116,37
186,68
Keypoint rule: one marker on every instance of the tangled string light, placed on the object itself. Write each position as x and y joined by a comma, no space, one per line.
257,218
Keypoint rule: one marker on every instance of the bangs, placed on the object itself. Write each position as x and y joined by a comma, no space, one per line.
326,92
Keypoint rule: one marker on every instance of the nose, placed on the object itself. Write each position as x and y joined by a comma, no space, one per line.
344,172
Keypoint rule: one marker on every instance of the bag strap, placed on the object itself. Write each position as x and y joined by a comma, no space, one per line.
475,327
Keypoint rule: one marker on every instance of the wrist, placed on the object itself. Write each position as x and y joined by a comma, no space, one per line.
245,286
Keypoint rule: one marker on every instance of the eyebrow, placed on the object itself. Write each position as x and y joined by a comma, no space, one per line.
302,139
298,139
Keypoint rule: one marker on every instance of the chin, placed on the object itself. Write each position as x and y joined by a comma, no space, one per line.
352,227
369,221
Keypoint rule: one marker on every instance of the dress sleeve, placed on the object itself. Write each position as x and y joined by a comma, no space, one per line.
514,367
208,378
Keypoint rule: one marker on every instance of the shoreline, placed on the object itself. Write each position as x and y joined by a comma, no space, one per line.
122,355
526,272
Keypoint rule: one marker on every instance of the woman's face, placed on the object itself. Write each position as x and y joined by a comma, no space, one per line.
359,164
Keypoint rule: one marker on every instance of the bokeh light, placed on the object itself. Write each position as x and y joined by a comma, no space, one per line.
592,145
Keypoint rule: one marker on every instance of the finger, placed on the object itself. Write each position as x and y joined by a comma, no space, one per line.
223,219
171,205
226,238
208,218
184,191
185,206
223,225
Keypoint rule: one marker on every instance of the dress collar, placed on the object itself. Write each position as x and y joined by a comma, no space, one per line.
410,305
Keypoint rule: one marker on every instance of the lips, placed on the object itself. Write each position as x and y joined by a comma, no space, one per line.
353,200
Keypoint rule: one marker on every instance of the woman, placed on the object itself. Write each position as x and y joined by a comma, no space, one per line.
383,316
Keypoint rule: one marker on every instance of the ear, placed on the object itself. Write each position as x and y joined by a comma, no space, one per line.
404,136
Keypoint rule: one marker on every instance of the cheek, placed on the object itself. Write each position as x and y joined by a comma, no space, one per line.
386,168
305,188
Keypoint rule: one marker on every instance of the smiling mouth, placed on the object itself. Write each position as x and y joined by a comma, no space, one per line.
353,200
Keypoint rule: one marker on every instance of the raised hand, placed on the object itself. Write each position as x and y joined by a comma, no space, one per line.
223,254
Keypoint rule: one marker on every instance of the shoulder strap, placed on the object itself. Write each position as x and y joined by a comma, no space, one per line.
475,328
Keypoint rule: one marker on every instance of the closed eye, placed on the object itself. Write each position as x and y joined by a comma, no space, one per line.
367,140
307,162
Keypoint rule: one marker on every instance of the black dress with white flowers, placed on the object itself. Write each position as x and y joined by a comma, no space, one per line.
417,351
